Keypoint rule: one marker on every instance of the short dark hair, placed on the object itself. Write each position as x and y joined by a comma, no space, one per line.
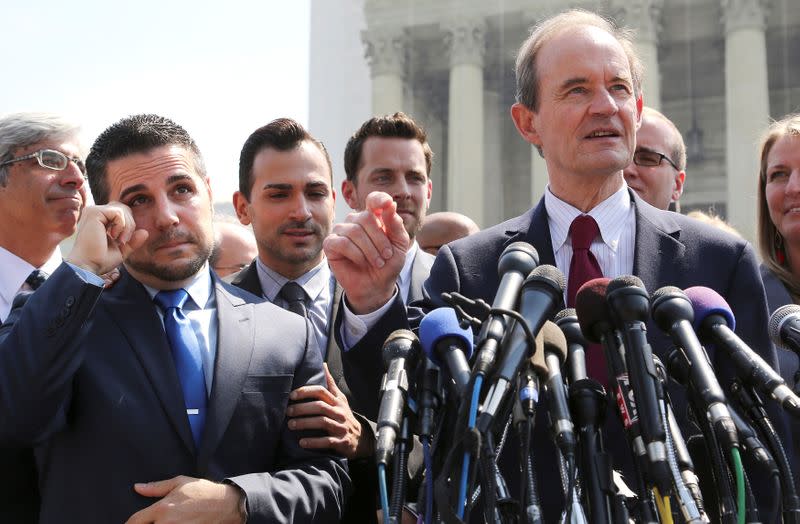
134,134
398,125
282,134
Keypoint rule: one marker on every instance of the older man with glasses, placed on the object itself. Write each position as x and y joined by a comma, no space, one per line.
658,169
42,193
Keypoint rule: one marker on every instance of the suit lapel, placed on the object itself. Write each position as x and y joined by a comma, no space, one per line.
247,279
333,355
131,308
533,228
235,344
657,246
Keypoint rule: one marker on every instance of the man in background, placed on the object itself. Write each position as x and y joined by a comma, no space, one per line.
234,246
441,228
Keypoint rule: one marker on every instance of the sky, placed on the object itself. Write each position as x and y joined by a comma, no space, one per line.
220,72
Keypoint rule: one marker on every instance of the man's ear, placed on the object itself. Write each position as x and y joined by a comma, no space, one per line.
677,189
242,208
350,194
639,108
525,122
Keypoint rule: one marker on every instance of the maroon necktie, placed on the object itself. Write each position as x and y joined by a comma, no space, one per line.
583,268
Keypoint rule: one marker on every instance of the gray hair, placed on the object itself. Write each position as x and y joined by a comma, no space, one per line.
527,92
20,130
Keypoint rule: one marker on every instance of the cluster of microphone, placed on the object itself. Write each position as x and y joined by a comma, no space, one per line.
532,354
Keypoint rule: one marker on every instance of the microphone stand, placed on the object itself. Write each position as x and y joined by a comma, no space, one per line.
400,459
587,399
753,407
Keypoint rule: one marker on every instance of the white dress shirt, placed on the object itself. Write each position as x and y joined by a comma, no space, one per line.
14,271
319,285
613,248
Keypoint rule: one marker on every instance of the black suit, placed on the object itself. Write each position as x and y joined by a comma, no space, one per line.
788,362
96,388
19,489
670,250
346,372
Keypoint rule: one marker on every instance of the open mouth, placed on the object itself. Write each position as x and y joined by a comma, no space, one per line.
603,133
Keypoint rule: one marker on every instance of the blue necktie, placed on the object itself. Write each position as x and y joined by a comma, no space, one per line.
186,354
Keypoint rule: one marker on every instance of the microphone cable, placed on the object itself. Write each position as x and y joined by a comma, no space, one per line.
383,492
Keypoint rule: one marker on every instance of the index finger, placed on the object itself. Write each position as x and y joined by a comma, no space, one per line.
314,393
378,201
144,516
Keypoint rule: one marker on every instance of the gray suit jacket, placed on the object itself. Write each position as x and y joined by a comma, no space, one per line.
97,390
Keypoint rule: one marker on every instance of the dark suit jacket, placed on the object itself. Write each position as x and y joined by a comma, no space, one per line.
788,362
670,250
361,507
19,490
95,387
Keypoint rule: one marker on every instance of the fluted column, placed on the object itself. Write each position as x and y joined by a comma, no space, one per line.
464,41
539,176
385,50
746,106
645,17
492,157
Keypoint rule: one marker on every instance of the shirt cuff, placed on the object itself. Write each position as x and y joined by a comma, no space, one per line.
86,275
354,327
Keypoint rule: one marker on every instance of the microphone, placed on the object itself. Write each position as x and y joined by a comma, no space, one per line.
597,325
447,344
516,262
629,302
400,352
541,296
567,320
551,359
673,313
784,327
714,322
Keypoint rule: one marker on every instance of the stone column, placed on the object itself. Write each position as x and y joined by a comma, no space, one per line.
492,157
539,177
746,106
464,41
385,50
644,16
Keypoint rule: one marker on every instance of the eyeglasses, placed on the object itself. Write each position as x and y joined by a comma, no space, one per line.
55,160
651,159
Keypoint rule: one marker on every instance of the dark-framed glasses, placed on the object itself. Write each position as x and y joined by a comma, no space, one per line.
651,159
51,159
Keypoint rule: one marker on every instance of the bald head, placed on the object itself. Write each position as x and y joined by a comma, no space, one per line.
441,228
658,180
234,247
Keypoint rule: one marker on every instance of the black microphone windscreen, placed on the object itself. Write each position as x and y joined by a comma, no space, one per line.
593,312
776,322
401,343
519,256
624,281
554,340
549,275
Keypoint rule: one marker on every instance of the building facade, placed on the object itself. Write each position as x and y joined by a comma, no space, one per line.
720,69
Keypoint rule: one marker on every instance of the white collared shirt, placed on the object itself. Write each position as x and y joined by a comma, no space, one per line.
613,248
404,278
201,310
13,274
319,285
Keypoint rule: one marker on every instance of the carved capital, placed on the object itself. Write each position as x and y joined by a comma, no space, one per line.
465,41
645,17
385,50
744,14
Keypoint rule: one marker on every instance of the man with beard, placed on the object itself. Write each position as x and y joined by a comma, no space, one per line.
162,398
285,193
42,192
391,154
